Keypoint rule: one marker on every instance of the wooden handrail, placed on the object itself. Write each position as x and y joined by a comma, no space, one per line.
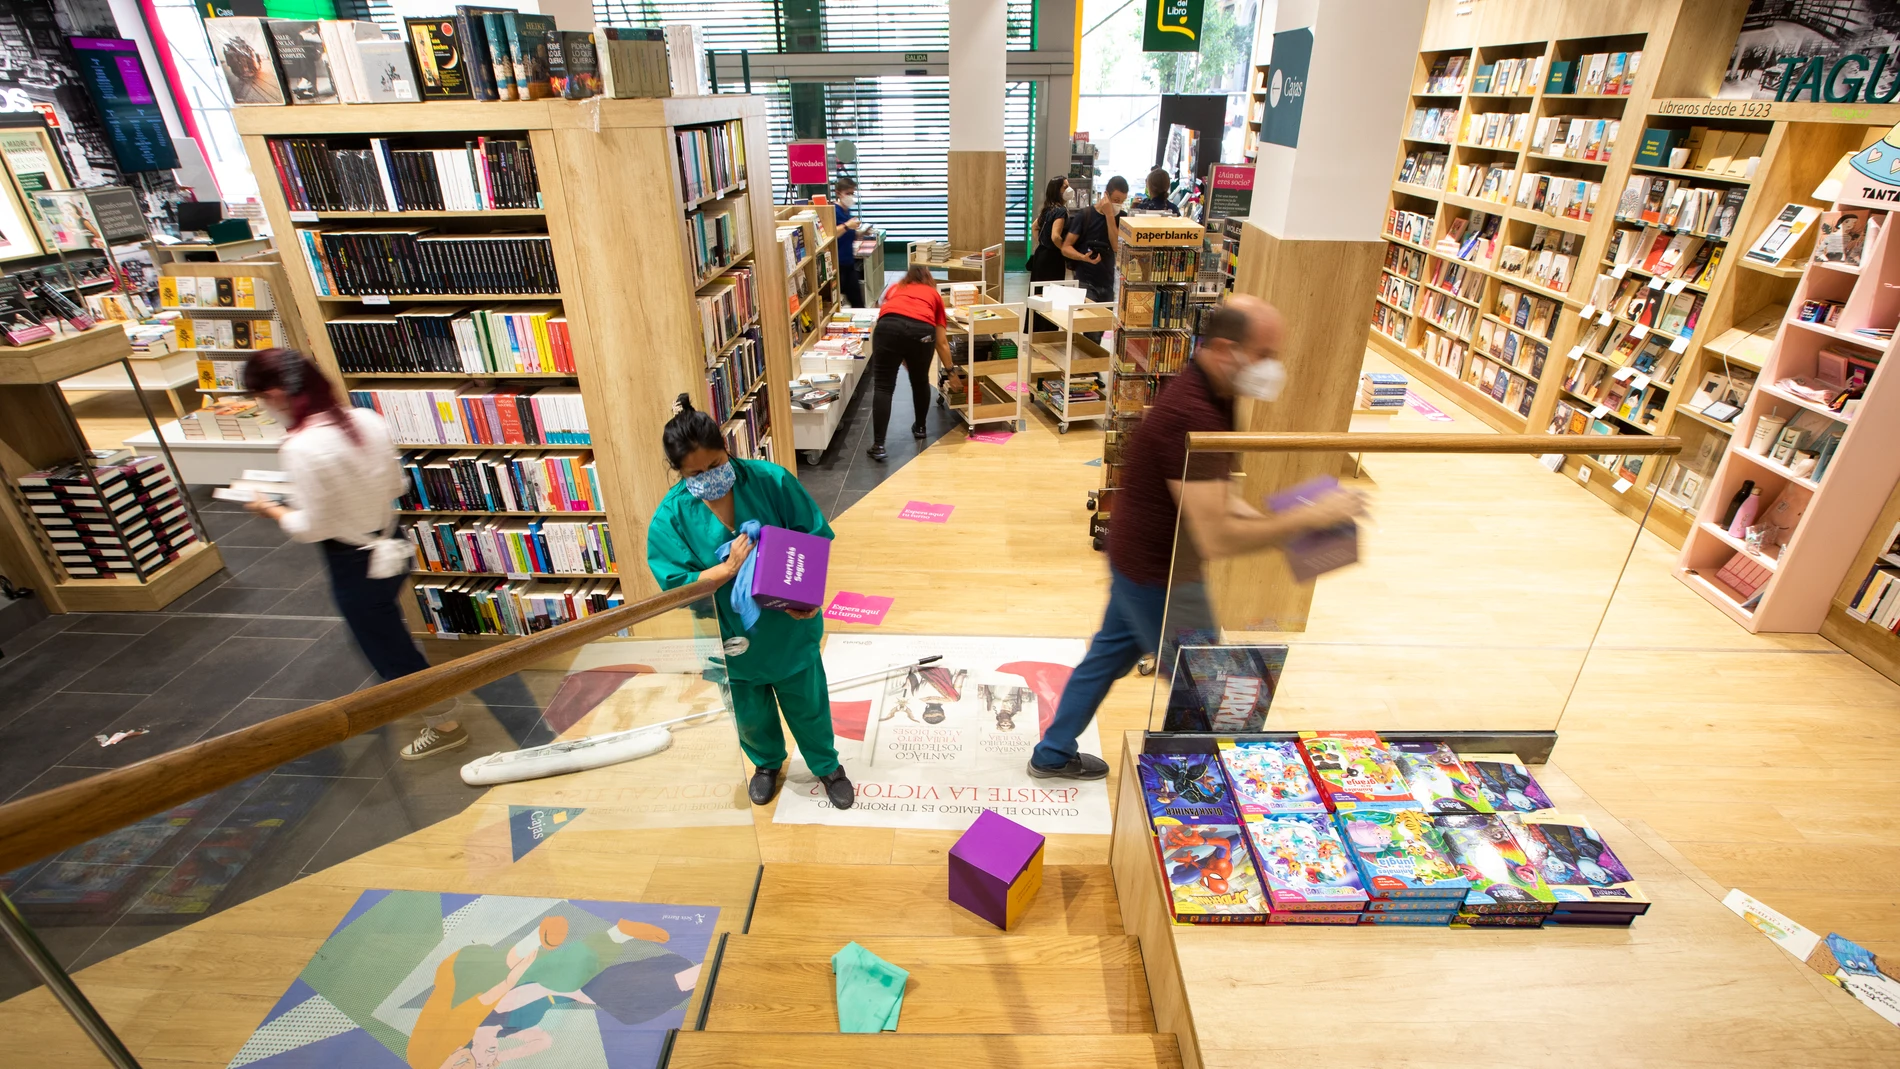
1252,442
51,821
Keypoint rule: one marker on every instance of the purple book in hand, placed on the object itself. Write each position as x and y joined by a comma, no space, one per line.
788,572
1315,553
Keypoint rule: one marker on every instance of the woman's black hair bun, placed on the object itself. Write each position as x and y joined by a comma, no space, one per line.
683,403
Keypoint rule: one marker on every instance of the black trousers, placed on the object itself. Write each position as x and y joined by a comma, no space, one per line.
851,283
369,608
899,340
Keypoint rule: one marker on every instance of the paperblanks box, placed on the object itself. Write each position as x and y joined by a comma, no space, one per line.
996,869
789,569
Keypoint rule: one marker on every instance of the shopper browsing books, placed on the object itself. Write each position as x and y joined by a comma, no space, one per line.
1156,199
1094,240
344,478
910,324
1237,357
772,666
850,275
1050,261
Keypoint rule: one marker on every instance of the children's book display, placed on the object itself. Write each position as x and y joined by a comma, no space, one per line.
1345,827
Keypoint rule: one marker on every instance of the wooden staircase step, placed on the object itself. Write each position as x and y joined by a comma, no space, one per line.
854,901
958,984
721,1050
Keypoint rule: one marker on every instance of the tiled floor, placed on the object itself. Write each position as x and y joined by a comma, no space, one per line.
845,474
255,641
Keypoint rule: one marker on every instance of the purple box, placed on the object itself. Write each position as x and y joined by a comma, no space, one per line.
1315,553
788,570
996,869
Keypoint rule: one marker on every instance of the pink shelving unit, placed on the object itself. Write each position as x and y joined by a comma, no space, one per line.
1799,576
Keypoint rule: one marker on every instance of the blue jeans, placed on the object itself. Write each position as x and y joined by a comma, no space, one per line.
1131,629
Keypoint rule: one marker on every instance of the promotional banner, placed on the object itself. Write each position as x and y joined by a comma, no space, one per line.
1172,26
933,747
805,163
1230,190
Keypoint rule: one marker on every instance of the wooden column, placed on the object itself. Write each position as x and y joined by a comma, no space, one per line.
977,89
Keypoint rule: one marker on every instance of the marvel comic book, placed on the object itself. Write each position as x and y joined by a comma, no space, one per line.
1399,855
1579,867
1502,879
1186,788
1224,688
1304,863
1353,769
1269,777
1505,782
1438,779
1414,917
1209,875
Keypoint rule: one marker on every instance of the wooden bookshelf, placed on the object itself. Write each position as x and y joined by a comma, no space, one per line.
1877,646
814,275
623,217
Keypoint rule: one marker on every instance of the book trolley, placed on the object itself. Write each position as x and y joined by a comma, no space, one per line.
611,309
974,330
983,267
1059,357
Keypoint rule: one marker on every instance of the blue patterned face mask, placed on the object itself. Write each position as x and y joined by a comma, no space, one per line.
713,483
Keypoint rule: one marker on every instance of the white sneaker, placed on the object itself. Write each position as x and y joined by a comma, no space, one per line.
432,742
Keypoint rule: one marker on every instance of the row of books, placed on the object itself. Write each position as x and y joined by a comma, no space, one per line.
233,419
734,374
1345,827
791,241
1154,309
257,334
1391,322
1496,129
1655,252
1675,204
1877,600
1432,124
727,307
1158,265
1461,279
1509,77
1381,389
748,429
1642,310
1158,354
532,547
1484,181
479,414
1398,292
405,262
1597,73
1550,260
1511,348
1409,226
718,235
1527,311
711,158
477,175
1595,383
1425,167
477,605
1409,263
1444,351
509,339
1513,391
1471,237
1559,195
1448,313
126,519
237,292
1447,76
1730,153
476,482
1576,137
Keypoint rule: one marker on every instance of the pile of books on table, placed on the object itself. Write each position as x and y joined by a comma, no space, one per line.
127,519
1381,389
1344,827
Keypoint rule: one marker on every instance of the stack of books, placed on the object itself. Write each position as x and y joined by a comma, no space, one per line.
234,420
130,523
1382,389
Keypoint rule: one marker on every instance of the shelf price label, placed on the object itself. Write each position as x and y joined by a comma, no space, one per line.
1677,286
1680,345
1655,283
1639,333
303,217
1599,412
1623,374
1619,270
1604,319
1576,352
1588,311
375,299
1639,381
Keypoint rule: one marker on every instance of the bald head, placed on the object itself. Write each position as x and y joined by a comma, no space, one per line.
1239,331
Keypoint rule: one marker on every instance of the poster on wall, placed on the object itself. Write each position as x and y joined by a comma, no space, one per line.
1230,190
1775,54
1172,26
933,747
114,77
1286,87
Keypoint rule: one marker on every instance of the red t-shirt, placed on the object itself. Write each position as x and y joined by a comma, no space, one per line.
1141,527
914,300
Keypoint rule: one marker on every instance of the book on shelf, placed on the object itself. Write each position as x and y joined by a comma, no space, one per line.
304,58
527,35
711,158
1842,237
244,53
484,482
573,65
514,547
441,56
1781,235
473,25
487,606
475,414
508,339
417,261
255,334
239,292
478,175
633,61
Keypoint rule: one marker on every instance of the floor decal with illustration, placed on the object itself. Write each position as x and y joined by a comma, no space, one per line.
934,746
420,980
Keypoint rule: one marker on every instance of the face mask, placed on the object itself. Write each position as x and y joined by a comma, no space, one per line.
849,200
713,483
1261,380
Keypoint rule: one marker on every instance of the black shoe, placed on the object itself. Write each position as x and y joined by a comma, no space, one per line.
917,431
877,453
838,788
1082,766
764,786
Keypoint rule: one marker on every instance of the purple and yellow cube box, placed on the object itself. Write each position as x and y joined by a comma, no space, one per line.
996,869
789,569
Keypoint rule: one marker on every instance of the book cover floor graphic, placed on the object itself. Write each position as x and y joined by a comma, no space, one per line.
420,980
934,747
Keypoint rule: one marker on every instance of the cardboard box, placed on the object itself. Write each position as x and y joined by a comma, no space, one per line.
788,570
996,869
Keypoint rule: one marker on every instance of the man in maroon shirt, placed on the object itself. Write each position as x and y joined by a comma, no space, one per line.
1237,356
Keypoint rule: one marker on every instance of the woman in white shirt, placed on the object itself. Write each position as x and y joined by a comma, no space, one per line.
345,478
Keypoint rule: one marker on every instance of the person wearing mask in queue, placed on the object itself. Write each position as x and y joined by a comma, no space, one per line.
850,275
344,481
773,666
1156,199
910,324
1093,240
1237,357
1050,261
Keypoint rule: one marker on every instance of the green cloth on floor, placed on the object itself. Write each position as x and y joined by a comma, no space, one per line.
870,990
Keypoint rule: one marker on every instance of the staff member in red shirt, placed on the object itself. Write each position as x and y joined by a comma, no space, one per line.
1237,356
910,321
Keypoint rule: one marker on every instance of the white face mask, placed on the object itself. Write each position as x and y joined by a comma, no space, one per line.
849,200
1261,380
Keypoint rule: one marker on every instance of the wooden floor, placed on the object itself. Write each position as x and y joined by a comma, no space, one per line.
1759,762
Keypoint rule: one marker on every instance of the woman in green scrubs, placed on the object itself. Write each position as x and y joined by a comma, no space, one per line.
775,667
